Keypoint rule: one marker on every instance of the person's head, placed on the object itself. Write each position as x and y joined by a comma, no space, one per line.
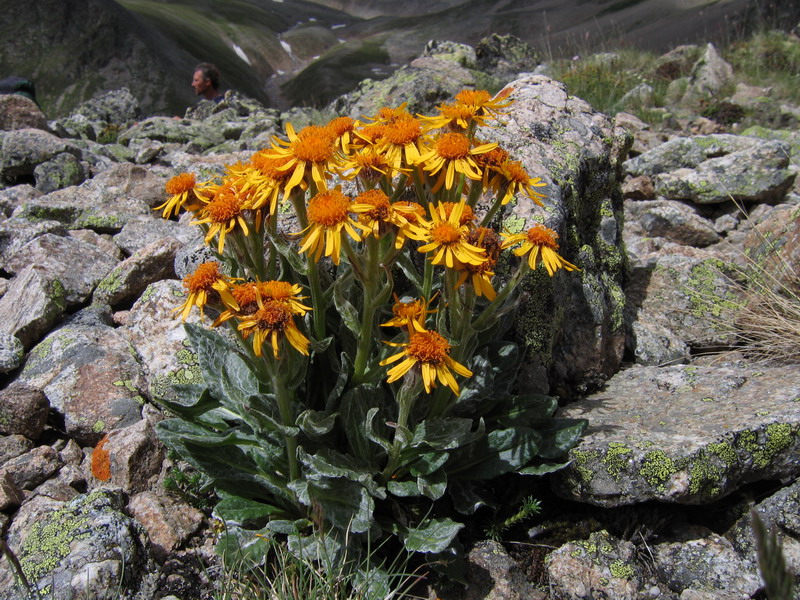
205,80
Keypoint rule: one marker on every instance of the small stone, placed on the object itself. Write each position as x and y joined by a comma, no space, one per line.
11,354
23,410
168,522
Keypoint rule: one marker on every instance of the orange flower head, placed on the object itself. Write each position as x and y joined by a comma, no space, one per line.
180,184
204,286
467,214
411,314
328,209
274,320
269,166
451,146
204,278
314,144
328,215
486,238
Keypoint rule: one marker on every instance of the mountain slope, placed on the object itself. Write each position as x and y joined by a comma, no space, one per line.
287,52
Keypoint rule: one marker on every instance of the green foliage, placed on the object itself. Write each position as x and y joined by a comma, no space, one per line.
272,569
769,59
530,506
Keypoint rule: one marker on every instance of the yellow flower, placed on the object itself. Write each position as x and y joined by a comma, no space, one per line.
340,129
401,141
222,214
452,153
411,314
265,175
273,319
513,178
470,106
539,240
312,151
246,297
481,275
204,285
431,351
181,191
447,238
367,163
377,215
328,214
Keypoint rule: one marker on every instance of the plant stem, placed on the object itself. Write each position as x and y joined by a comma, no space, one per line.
406,397
317,299
284,398
370,278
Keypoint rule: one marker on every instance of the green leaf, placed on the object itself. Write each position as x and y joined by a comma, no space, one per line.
315,548
499,452
347,312
444,433
289,252
407,266
250,514
241,549
559,436
345,503
403,489
333,464
434,485
316,423
425,463
544,468
523,410
432,535
358,409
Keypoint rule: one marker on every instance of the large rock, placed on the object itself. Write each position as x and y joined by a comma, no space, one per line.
709,76
16,232
717,168
63,170
104,203
19,112
443,70
687,434
158,335
22,150
34,302
79,266
671,220
100,118
571,324
23,410
90,378
85,548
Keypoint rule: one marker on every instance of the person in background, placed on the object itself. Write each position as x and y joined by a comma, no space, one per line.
205,82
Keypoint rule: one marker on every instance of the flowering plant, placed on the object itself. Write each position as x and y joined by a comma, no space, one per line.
361,382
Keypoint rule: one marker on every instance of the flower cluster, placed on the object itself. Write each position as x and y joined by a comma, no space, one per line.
410,181
358,269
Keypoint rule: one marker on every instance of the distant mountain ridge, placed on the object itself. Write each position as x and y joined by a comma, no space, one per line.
294,52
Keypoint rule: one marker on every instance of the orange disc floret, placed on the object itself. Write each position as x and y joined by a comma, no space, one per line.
180,184
539,235
329,208
314,144
203,278
473,97
101,460
486,238
467,214
428,347
379,200
453,145
340,125
402,131
270,166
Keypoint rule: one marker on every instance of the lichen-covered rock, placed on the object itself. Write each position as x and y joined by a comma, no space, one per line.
104,203
674,221
85,548
691,293
505,56
687,434
140,232
709,565
90,378
571,324
12,197
158,335
443,70
600,567
134,456
100,118
11,352
22,150
168,130
131,277
58,172
760,174
79,266
34,302
780,514
709,76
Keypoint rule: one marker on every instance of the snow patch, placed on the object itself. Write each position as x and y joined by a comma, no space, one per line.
285,45
338,26
240,53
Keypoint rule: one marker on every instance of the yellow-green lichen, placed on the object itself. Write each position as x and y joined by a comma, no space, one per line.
111,282
621,570
582,458
616,458
724,451
513,224
99,426
48,541
779,436
657,468
704,477
127,384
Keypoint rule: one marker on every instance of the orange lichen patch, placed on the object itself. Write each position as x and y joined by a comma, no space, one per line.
101,461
